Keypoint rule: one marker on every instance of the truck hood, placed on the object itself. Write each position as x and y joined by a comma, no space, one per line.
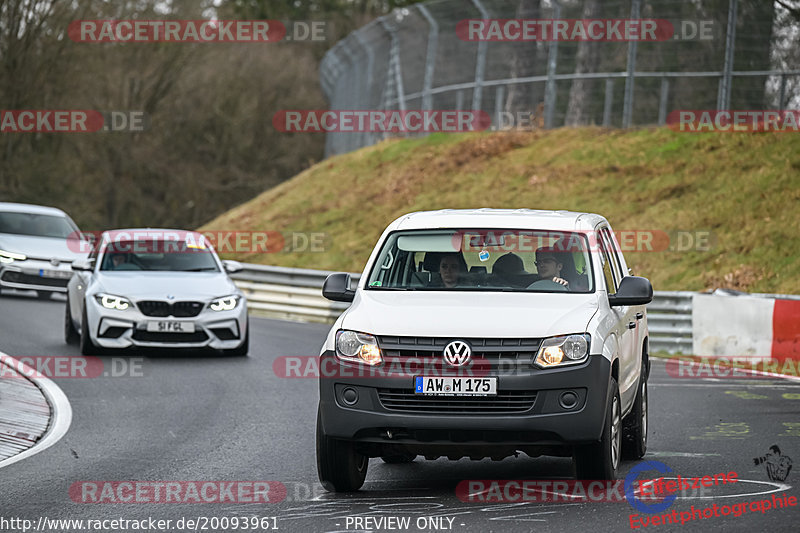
469,314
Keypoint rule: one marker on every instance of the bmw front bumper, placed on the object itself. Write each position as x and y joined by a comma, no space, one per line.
219,330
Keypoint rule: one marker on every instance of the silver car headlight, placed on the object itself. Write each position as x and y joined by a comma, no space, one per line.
226,303
563,350
355,347
109,301
9,257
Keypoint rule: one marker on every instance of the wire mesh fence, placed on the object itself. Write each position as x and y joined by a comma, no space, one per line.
717,55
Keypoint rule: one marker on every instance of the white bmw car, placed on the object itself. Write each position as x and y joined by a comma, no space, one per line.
155,288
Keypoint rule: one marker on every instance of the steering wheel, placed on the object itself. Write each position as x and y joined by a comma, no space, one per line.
547,285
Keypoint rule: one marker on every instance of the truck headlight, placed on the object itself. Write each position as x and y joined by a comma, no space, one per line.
109,301
226,303
355,347
563,350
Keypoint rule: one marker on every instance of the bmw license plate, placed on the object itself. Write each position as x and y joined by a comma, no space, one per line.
170,326
452,386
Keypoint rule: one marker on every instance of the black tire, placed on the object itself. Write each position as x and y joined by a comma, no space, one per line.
87,346
243,349
44,295
634,427
71,335
600,460
339,467
398,458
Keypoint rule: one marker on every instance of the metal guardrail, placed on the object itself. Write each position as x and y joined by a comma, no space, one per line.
289,293
296,294
669,321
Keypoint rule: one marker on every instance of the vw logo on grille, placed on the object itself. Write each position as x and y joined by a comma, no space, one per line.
170,296
457,353
55,262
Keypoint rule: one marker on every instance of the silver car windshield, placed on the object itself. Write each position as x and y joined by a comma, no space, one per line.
484,260
36,225
162,255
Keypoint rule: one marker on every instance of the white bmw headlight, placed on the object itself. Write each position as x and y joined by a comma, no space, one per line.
563,350
226,303
109,301
10,257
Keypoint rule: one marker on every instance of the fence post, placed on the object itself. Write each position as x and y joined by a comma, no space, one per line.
724,101
430,57
662,101
608,101
367,136
782,92
480,63
627,105
393,70
550,85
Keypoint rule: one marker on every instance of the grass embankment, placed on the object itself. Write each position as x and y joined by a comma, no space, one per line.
742,188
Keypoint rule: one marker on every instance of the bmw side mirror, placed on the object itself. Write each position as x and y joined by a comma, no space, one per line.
337,288
633,290
82,265
232,267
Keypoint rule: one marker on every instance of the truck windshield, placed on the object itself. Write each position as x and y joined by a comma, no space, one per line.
484,260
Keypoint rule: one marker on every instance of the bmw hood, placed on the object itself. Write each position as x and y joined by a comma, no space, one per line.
161,285
46,248
470,314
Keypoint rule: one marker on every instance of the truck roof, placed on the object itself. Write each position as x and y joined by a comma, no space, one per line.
533,219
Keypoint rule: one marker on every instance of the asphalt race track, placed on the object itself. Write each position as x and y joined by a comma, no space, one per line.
201,417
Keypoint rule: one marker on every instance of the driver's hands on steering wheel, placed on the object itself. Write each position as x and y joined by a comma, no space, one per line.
561,281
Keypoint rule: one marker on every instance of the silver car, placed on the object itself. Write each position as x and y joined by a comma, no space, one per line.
37,246
155,288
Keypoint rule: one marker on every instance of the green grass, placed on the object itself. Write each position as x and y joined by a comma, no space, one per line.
742,188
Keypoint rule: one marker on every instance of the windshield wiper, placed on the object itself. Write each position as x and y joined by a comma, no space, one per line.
199,269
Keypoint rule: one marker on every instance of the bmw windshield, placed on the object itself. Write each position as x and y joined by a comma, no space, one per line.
161,255
484,260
